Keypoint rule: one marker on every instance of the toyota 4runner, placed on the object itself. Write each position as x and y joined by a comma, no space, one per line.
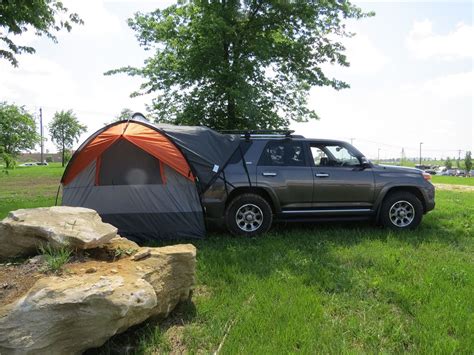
275,177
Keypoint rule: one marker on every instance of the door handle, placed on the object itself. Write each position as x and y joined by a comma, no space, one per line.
269,174
321,175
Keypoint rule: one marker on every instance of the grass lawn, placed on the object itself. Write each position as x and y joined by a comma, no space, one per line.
313,288
29,186
454,180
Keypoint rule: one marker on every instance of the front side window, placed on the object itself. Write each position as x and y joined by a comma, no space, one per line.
333,155
283,153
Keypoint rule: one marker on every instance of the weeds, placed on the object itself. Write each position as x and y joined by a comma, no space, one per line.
55,258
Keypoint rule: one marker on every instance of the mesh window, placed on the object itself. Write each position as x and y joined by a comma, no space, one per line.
126,164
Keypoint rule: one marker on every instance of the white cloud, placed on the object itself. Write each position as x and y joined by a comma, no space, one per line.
437,111
451,86
97,19
425,44
364,56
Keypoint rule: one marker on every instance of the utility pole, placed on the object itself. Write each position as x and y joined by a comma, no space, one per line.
402,160
459,158
378,156
420,151
41,133
352,140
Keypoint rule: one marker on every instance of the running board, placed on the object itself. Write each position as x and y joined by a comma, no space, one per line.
331,211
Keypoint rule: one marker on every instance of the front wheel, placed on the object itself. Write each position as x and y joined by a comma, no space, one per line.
248,215
401,210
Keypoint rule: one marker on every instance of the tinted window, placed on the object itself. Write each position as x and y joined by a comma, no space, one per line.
283,153
237,157
126,164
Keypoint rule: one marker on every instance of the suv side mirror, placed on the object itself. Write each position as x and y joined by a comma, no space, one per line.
365,163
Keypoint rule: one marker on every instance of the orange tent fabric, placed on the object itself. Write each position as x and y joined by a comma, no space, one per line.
148,139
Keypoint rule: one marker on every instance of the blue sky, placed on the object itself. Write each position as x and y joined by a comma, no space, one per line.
411,76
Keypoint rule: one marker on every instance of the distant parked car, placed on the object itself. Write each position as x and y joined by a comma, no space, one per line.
460,172
28,164
431,171
43,163
451,172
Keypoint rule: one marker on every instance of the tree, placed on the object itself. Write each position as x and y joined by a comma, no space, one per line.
41,16
468,162
125,114
65,129
448,163
17,132
240,63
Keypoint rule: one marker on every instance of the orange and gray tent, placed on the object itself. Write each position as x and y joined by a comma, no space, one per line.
146,179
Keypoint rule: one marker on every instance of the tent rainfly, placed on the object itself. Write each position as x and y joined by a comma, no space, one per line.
147,179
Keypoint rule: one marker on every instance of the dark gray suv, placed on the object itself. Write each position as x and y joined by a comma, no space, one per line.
292,178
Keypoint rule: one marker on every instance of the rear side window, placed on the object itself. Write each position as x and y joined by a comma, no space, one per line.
283,153
237,156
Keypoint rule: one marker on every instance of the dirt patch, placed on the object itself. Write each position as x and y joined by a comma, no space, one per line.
17,279
451,187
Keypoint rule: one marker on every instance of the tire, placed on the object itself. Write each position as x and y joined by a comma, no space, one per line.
401,211
248,215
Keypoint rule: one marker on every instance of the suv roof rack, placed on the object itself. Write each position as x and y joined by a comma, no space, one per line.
262,133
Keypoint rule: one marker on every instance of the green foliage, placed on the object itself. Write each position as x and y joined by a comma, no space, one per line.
121,252
125,114
41,16
67,156
17,132
468,161
55,258
448,163
239,63
49,159
65,129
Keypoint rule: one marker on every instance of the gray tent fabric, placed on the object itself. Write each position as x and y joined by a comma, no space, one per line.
206,150
144,198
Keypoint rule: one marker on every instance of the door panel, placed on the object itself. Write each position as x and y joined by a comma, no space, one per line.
293,185
284,168
338,179
343,186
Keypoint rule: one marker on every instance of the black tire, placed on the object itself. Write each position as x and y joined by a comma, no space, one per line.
244,202
404,202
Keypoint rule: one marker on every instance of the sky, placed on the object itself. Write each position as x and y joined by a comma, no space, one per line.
411,76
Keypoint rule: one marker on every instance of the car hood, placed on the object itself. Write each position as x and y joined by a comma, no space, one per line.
398,169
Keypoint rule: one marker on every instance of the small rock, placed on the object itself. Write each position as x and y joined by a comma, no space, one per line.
141,255
91,270
5,286
113,271
38,259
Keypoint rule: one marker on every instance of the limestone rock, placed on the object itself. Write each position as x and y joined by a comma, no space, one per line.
70,314
23,231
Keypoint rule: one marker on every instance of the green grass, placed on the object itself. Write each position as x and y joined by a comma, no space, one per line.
331,288
454,180
27,187
55,258
344,288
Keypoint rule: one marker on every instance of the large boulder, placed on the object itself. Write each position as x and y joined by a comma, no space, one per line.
23,231
78,311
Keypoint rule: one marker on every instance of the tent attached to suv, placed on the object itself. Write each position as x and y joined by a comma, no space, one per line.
147,179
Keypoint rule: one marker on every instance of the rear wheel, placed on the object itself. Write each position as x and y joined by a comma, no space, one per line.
401,210
248,215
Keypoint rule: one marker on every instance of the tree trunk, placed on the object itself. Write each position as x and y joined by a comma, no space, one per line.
62,159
